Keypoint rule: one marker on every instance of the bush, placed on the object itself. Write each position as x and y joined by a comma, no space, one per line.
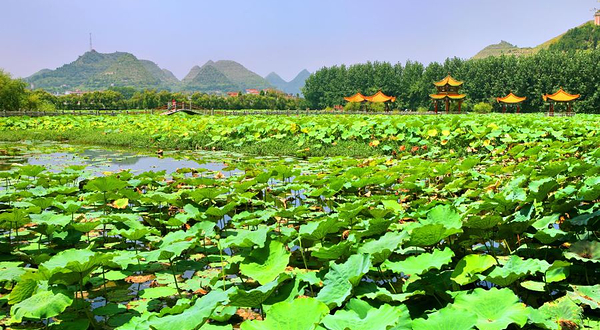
352,106
422,109
482,107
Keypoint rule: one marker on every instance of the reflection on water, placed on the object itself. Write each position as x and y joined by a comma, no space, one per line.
55,157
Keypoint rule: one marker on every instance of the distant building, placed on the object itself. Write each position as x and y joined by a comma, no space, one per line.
232,94
597,18
76,92
253,91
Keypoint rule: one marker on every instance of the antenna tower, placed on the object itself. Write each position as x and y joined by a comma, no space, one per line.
91,48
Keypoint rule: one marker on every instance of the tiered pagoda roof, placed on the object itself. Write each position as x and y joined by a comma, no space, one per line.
448,89
561,96
448,81
358,97
379,97
511,99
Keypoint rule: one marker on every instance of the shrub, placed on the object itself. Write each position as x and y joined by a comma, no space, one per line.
482,107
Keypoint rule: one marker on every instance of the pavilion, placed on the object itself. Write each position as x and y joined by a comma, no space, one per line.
561,97
379,97
511,99
448,90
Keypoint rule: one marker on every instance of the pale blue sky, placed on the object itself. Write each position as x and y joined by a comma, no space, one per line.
274,35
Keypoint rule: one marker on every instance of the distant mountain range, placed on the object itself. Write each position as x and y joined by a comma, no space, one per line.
98,71
586,36
292,87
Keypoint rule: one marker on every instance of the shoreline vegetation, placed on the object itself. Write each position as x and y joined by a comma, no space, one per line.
309,136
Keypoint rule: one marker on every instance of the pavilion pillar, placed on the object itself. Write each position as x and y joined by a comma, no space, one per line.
459,105
504,108
435,102
518,108
551,109
447,105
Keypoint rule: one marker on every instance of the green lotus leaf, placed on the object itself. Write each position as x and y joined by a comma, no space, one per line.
50,219
558,271
513,269
534,286
42,305
316,230
11,273
562,312
300,314
105,184
381,318
540,189
265,264
255,297
586,251
591,190
158,292
342,278
191,212
69,207
220,212
25,287
447,318
85,227
210,326
441,222
193,317
223,313
549,235
417,265
331,252
31,170
78,261
586,295
483,222
380,249
247,238
372,291
496,309
584,219
471,265
17,216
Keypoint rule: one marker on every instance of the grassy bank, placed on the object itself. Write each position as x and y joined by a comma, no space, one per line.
324,135
282,147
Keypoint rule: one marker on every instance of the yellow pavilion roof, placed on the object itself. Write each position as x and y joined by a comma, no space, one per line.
511,99
450,96
379,97
358,97
448,81
561,96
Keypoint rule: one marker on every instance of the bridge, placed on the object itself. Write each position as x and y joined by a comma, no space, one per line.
176,107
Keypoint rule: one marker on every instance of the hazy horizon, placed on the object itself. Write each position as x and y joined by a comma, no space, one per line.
272,36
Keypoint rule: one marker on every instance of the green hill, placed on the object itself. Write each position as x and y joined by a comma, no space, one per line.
585,36
227,76
241,76
208,79
276,81
165,76
127,70
99,71
292,87
295,86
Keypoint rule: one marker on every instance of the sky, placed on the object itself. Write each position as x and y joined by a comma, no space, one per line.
274,35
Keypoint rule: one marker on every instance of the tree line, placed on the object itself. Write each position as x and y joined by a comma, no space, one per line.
578,72
15,96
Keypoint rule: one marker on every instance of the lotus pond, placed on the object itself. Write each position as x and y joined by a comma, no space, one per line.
502,236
